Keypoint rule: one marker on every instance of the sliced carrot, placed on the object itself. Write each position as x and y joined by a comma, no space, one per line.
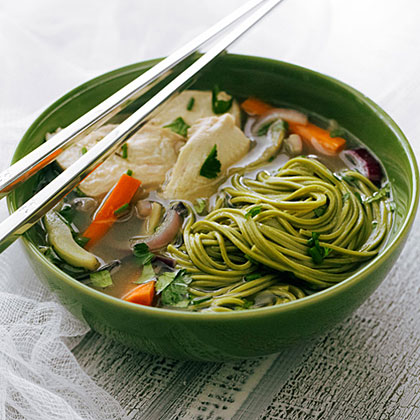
121,194
310,131
254,106
143,294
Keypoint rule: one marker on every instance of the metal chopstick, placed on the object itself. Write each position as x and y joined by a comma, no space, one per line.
28,214
47,152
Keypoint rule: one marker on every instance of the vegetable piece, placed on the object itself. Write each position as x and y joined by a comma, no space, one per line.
285,114
147,274
319,138
361,160
378,195
253,212
142,253
167,231
175,289
254,106
293,145
129,172
101,279
142,294
61,238
178,126
84,150
200,205
153,219
121,209
211,166
121,194
221,101
316,251
190,104
124,149
143,208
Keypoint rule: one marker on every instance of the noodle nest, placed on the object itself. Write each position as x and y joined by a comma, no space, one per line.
255,246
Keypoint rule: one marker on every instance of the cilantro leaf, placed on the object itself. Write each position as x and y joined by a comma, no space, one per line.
178,126
320,211
67,212
190,104
220,106
101,279
142,253
164,280
316,251
175,290
378,195
253,212
211,166
147,274
253,276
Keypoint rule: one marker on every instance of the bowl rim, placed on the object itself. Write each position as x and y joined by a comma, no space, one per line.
234,315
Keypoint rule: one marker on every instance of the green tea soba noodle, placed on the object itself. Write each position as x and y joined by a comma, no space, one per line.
282,236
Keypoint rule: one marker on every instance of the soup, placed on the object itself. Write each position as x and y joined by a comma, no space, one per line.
216,206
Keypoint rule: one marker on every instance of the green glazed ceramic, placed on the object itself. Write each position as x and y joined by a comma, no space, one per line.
224,336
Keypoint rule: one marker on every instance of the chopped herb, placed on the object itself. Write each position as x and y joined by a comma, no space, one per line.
316,251
164,280
178,126
101,279
81,240
211,166
263,130
197,301
346,196
174,288
253,276
147,274
374,224
378,195
320,211
220,106
349,179
250,259
129,172
338,132
84,150
246,305
190,104
253,212
359,197
142,253
67,212
79,192
392,206
271,158
200,205
124,149
121,210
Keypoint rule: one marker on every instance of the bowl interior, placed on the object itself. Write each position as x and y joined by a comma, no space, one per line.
277,82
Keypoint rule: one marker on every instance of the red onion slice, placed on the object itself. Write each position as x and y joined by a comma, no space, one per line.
166,232
363,161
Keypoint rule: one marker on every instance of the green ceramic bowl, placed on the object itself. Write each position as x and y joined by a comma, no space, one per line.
224,336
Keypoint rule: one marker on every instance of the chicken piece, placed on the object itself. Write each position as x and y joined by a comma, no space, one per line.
151,152
185,181
177,107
